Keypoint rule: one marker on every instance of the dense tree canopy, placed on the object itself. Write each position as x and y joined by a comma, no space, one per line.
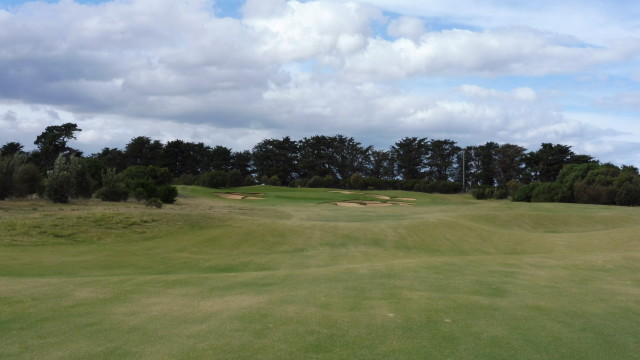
551,173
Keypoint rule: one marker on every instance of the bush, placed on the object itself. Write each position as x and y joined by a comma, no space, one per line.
249,181
628,195
357,181
59,184
330,182
26,180
315,182
524,193
143,189
546,192
153,202
234,178
274,181
297,183
500,193
187,179
594,194
167,194
213,179
482,192
512,187
113,188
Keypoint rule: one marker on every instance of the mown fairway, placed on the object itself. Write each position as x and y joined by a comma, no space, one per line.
294,276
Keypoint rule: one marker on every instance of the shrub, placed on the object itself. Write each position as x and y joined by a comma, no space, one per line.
59,184
628,195
512,187
330,182
447,187
524,193
357,181
249,181
482,192
546,192
113,188
234,178
143,189
187,179
167,194
26,180
315,182
297,183
594,194
274,181
500,193
213,179
153,202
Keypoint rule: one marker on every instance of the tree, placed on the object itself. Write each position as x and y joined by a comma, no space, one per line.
545,163
11,148
509,163
53,142
485,163
112,158
143,151
277,157
336,156
441,158
242,161
26,180
380,165
7,169
213,179
316,157
349,156
219,158
409,155
60,185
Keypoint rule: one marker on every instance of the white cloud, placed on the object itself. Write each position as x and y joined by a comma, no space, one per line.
173,69
507,51
406,26
593,21
299,31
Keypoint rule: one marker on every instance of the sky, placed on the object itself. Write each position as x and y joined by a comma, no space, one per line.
235,72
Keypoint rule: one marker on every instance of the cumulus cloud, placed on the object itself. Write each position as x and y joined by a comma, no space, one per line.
174,69
507,51
407,26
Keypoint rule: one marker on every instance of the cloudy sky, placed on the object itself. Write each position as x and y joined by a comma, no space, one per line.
235,72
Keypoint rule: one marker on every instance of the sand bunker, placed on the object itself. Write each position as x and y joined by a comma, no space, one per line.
400,203
239,196
382,197
349,204
232,196
404,199
366,203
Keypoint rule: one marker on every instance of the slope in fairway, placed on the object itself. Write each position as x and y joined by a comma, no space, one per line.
278,273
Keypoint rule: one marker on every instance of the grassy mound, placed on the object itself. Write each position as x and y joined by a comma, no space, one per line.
295,277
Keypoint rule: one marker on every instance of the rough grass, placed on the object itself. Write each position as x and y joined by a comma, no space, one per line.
296,277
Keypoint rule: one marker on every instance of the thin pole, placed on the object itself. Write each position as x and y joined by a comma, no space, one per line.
464,184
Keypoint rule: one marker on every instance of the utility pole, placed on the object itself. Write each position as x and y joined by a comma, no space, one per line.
464,184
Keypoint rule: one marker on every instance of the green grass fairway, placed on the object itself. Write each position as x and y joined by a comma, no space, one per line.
294,276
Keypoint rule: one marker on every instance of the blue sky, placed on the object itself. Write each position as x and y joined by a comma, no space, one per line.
235,72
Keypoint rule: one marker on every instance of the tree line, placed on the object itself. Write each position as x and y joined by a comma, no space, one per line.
146,168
